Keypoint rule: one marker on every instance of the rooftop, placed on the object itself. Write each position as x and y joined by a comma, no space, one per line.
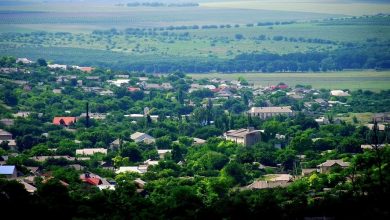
283,109
241,132
330,163
7,170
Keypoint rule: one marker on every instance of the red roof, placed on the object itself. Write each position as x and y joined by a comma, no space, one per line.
93,181
86,69
64,120
282,86
133,89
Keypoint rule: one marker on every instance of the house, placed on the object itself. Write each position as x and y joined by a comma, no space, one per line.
321,102
370,147
57,91
23,60
133,169
119,82
139,183
150,162
7,121
5,135
91,179
8,171
94,78
149,86
27,186
106,93
34,170
91,151
166,86
3,160
65,121
143,79
57,66
77,167
330,164
271,181
8,70
163,153
11,144
115,144
96,116
322,121
224,93
22,114
106,187
133,89
382,117
339,93
246,137
44,158
121,76
268,112
279,86
381,127
85,69
142,137
308,172
198,141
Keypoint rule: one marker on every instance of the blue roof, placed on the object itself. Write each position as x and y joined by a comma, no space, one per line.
7,170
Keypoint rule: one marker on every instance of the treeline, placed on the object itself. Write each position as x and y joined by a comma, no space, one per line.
160,4
268,62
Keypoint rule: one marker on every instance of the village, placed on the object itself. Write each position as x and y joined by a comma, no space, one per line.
202,94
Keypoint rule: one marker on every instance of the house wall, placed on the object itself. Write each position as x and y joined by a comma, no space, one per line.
265,115
5,137
237,140
252,139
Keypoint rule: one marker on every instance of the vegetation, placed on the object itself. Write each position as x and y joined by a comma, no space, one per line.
192,181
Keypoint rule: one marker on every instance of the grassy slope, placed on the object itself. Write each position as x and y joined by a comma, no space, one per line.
353,80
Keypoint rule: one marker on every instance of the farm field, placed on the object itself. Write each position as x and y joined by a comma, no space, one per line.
352,80
335,7
219,42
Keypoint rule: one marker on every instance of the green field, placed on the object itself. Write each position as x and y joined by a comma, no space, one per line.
80,32
353,80
220,42
335,7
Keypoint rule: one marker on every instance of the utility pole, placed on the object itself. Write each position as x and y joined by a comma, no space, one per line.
87,116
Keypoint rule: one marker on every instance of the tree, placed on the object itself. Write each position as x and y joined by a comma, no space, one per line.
235,172
177,152
41,62
131,151
286,157
164,142
301,143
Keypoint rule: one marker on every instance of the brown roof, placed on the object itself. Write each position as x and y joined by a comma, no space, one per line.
330,163
240,132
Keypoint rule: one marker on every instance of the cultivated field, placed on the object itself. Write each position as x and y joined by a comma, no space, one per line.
353,80
330,7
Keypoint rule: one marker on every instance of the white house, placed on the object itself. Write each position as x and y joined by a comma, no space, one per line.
91,151
268,112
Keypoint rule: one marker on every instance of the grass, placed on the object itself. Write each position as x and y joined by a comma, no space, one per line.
353,80
204,43
363,118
